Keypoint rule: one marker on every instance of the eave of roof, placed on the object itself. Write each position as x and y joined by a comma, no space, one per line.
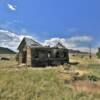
29,42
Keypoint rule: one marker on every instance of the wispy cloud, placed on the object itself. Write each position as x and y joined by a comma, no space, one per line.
78,43
12,7
71,30
10,39
69,42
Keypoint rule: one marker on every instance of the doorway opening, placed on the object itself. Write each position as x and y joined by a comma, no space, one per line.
24,57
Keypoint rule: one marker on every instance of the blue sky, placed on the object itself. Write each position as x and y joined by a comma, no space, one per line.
45,20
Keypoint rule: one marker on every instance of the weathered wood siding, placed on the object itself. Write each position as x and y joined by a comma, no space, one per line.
46,57
20,57
29,57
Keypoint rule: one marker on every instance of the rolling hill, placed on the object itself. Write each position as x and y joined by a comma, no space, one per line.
4,50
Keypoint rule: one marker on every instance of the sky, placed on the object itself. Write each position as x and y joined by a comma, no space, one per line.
75,23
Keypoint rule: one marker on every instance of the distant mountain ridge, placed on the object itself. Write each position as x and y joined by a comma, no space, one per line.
77,51
4,50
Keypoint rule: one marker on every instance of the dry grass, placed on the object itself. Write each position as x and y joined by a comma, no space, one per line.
48,83
85,59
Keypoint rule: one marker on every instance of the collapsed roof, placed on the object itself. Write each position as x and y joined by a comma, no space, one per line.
33,44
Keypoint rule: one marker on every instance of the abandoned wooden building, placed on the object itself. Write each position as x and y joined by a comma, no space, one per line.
33,54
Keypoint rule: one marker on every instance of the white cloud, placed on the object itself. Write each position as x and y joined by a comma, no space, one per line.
80,39
12,7
78,43
10,39
54,41
69,42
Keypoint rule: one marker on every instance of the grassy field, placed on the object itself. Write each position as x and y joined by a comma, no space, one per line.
55,83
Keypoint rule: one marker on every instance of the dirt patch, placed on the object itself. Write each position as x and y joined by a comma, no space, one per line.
81,72
86,86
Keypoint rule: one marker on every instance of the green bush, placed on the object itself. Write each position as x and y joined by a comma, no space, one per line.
98,54
92,78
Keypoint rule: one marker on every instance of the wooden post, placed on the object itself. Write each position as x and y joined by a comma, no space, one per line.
90,56
20,58
29,62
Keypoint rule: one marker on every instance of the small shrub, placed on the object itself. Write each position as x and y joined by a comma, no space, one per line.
82,56
77,77
67,67
92,78
98,54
